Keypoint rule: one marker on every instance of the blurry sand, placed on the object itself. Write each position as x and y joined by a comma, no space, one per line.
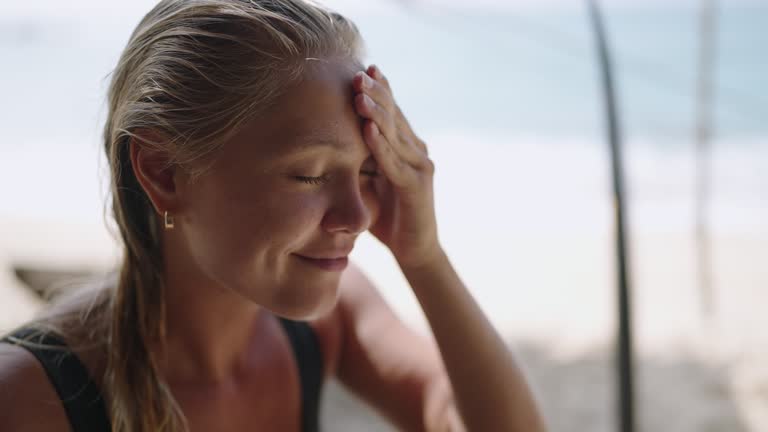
555,307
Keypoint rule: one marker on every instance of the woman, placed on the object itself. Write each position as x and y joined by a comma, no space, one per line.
248,149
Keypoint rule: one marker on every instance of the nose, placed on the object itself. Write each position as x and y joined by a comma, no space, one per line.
348,211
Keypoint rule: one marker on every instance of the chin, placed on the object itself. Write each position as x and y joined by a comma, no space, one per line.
307,302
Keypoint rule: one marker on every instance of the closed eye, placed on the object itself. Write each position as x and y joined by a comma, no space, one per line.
313,180
324,178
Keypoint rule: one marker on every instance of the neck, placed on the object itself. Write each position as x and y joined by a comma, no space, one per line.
209,330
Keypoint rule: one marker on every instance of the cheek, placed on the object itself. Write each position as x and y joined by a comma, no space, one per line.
221,235
245,245
299,215
254,227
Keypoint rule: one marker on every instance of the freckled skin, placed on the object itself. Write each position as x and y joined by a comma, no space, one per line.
241,223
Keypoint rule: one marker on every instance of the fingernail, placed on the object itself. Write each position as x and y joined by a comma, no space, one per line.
368,101
367,81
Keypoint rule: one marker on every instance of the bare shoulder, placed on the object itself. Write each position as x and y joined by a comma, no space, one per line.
28,401
387,364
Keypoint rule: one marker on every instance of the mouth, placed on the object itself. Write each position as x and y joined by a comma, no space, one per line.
328,264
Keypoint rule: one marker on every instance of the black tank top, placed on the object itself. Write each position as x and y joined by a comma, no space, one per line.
85,406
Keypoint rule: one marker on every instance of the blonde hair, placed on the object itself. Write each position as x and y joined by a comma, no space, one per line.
192,72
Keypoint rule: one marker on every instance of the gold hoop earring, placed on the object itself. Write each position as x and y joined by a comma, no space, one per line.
168,220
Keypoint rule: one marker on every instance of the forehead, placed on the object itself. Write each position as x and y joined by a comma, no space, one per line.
316,113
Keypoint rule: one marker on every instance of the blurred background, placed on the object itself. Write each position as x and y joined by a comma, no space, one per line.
507,95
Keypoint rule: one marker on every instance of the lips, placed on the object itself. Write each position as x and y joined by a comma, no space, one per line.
329,258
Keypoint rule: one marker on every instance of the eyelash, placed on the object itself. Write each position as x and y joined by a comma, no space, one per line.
312,180
324,178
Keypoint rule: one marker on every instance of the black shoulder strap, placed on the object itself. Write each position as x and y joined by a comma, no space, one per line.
84,404
78,393
309,358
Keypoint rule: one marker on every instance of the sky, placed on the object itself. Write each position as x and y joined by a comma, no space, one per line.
11,9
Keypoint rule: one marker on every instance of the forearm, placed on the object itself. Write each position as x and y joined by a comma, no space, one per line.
489,389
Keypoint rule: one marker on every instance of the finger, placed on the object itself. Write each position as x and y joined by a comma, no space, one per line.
380,92
376,73
369,109
418,145
400,143
376,90
403,124
381,81
401,121
389,162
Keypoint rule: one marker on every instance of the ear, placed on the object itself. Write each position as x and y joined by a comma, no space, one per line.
153,170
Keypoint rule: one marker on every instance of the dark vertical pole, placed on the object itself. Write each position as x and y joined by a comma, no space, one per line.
624,351
704,131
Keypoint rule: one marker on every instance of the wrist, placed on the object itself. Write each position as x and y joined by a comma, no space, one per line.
429,261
